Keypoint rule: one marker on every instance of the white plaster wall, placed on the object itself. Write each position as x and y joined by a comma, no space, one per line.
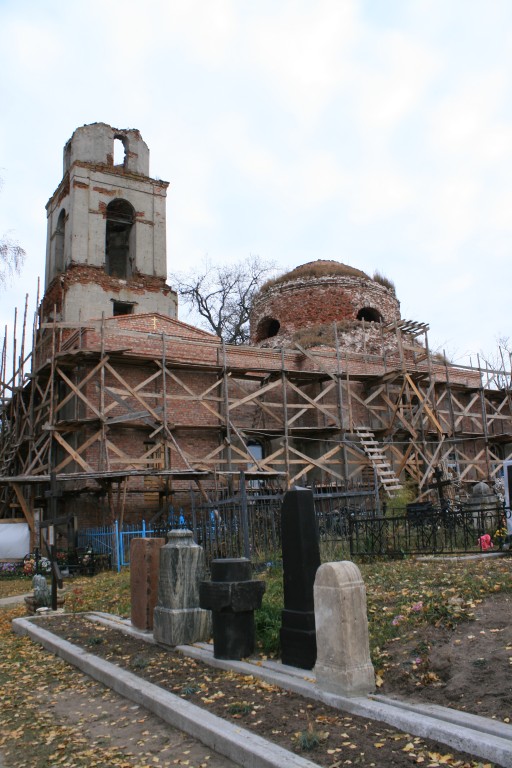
90,192
91,300
95,144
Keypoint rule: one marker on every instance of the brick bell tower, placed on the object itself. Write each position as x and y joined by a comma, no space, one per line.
106,249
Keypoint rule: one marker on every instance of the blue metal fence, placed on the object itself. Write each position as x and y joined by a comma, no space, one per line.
244,525
115,542
223,533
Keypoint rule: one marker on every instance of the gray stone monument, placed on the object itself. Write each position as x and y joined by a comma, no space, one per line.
343,664
178,619
483,505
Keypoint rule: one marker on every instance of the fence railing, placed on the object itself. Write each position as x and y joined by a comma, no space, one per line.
250,526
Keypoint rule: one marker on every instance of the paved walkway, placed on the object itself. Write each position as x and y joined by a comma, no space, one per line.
107,719
12,601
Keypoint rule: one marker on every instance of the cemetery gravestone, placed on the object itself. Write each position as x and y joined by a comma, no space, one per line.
483,505
232,595
343,663
144,573
177,618
301,560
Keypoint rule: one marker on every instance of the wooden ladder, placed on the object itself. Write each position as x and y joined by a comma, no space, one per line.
372,449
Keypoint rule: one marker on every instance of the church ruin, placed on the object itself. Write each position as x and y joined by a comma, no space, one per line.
120,408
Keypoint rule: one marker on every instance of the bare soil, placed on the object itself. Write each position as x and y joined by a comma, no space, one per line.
466,668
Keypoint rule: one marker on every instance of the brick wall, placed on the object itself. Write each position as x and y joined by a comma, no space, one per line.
302,302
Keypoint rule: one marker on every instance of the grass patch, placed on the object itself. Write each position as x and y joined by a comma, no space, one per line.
268,618
320,268
385,281
402,596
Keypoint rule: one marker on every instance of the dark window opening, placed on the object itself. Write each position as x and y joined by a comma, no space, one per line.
370,315
122,308
257,451
267,328
119,239
60,233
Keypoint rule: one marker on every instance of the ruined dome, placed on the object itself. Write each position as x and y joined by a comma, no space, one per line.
316,294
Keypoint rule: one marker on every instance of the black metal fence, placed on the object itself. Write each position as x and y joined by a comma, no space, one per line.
349,525
248,524
429,531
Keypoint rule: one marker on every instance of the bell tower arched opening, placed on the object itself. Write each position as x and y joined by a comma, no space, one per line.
119,150
59,240
119,239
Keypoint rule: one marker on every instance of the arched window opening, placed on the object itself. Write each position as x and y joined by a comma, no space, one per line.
119,245
370,315
267,328
119,151
60,233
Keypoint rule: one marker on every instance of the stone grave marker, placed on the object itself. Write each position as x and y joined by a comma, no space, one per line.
232,595
301,559
343,664
178,619
144,572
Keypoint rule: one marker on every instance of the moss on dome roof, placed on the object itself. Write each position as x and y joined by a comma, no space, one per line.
320,268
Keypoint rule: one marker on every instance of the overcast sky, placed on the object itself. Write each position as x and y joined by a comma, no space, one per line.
374,132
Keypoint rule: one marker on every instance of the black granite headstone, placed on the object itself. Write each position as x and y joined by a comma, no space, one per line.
301,559
232,596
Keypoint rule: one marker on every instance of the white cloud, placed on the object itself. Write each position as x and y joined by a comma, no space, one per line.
296,129
303,48
392,82
469,121
378,192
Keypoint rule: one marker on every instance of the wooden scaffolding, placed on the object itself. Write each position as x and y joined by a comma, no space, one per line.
151,411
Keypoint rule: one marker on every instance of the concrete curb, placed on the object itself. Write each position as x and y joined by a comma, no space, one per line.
238,744
475,735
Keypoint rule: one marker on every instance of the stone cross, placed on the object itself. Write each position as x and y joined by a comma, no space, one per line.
232,596
343,663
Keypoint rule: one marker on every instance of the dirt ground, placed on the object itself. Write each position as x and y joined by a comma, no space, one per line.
467,668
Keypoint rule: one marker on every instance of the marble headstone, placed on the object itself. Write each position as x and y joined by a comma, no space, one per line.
178,619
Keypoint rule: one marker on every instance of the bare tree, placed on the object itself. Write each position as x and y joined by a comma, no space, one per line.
222,294
12,256
497,365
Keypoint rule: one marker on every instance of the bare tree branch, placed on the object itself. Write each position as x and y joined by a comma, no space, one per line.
222,295
12,256
498,364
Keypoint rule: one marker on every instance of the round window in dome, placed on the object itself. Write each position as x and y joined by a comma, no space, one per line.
370,315
267,328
